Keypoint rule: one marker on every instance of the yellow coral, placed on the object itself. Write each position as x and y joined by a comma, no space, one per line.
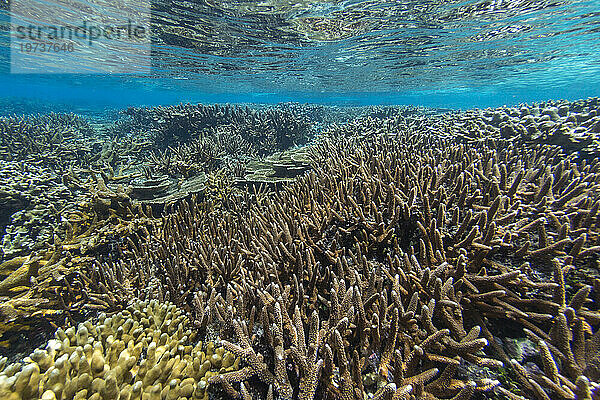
105,361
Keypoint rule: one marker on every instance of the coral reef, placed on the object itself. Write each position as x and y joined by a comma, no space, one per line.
39,136
31,199
34,293
389,268
266,129
572,125
146,351
405,254
274,170
206,154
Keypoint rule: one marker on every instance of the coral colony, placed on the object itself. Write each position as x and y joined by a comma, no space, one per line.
302,252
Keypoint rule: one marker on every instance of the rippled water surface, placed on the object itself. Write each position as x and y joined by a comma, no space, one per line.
535,48
379,45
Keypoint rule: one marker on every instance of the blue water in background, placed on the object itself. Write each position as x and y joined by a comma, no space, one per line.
432,53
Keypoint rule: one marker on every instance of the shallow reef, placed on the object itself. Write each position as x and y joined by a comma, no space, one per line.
401,253
145,351
266,128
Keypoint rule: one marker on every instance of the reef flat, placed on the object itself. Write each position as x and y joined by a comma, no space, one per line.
303,252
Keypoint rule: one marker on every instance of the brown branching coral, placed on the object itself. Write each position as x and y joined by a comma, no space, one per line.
217,148
265,129
308,244
385,270
41,136
399,266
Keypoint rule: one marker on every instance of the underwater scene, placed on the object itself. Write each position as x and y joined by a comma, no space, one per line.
291,200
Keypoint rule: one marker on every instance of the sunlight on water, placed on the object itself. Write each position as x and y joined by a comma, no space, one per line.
299,200
368,46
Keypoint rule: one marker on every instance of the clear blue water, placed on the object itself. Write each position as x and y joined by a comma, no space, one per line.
458,54
71,243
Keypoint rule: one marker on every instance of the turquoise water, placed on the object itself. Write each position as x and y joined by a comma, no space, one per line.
457,54
341,232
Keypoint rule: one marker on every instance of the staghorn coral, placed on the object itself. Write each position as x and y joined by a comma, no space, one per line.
40,135
189,159
568,350
388,269
67,203
259,278
266,129
395,268
146,351
48,164
205,154
324,117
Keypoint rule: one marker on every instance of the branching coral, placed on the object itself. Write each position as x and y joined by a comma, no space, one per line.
266,129
397,267
396,260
